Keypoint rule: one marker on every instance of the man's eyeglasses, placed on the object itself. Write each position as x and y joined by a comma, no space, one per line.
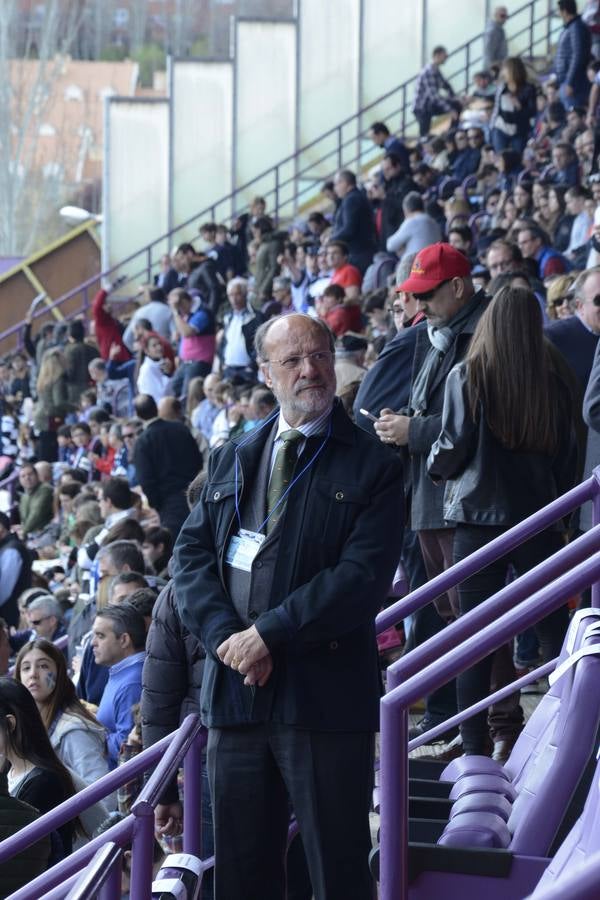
595,300
318,358
396,310
36,622
128,436
428,295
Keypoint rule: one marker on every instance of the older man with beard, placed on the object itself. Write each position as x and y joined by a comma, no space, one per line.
280,571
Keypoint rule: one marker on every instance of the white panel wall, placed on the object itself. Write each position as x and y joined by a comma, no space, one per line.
391,50
202,126
329,75
444,25
136,176
265,101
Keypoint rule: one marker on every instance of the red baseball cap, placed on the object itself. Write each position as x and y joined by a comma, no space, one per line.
435,264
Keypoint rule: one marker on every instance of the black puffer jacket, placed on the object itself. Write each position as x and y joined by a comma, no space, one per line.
171,677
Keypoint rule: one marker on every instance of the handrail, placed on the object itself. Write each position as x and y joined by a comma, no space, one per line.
335,154
105,866
395,705
558,509
465,627
481,705
186,743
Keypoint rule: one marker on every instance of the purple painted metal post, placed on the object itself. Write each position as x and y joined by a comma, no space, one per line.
142,849
496,605
393,821
596,521
192,799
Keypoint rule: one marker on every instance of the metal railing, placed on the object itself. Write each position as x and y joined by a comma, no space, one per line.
291,183
184,745
467,640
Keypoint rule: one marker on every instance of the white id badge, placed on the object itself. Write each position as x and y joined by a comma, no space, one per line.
242,549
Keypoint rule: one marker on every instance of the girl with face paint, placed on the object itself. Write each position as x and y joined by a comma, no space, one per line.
76,736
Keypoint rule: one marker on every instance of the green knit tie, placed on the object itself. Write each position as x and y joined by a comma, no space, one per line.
282,474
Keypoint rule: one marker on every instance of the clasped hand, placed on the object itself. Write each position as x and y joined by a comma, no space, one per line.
246,652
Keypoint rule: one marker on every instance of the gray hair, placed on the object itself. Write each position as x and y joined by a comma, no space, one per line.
403,268
577,287
97,363
46,604
262,331
237,282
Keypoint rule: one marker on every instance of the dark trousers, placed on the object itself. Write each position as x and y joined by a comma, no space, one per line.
173,512
255,773
424,116
436,546
475,683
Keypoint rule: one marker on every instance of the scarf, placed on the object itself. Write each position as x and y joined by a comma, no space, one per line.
441,339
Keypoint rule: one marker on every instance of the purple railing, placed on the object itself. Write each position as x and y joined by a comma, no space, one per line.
395,706
467,640
354,149
137,829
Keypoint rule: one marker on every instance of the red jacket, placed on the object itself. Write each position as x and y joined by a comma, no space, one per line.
107,329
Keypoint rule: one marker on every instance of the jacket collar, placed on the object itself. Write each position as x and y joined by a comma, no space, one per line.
250,447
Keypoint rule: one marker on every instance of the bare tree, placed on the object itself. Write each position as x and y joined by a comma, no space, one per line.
26,191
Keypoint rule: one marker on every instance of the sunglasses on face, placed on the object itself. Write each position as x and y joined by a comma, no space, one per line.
428,295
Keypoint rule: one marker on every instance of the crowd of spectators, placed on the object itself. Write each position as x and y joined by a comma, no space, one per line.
106,424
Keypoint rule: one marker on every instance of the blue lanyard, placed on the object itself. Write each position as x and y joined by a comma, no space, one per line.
292,482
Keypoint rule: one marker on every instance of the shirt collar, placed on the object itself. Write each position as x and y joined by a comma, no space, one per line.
316,426
125,663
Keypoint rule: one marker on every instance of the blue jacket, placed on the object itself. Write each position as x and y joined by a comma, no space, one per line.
572,55
355,225
123,689
576,343
339,545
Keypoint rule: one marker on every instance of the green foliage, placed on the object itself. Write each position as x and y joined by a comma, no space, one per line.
151,58
200,47
113,53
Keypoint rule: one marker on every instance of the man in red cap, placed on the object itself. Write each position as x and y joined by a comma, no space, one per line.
440,281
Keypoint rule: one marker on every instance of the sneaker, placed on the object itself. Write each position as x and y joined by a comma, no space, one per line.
425,724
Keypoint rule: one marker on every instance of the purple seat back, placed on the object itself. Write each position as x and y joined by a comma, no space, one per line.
581,843
551,776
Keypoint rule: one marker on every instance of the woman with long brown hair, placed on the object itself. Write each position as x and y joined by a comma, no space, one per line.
507,448
514,107
77,737
52,404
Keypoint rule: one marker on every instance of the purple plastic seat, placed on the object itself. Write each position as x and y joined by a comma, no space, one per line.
484,801
581,845
476,829
547,779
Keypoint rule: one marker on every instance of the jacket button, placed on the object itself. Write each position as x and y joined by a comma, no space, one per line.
339,495
216,495
333,645
258,564
253,614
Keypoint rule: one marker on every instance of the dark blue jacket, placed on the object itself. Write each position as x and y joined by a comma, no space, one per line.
576,343
339,545
354,224
387,382
573,54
